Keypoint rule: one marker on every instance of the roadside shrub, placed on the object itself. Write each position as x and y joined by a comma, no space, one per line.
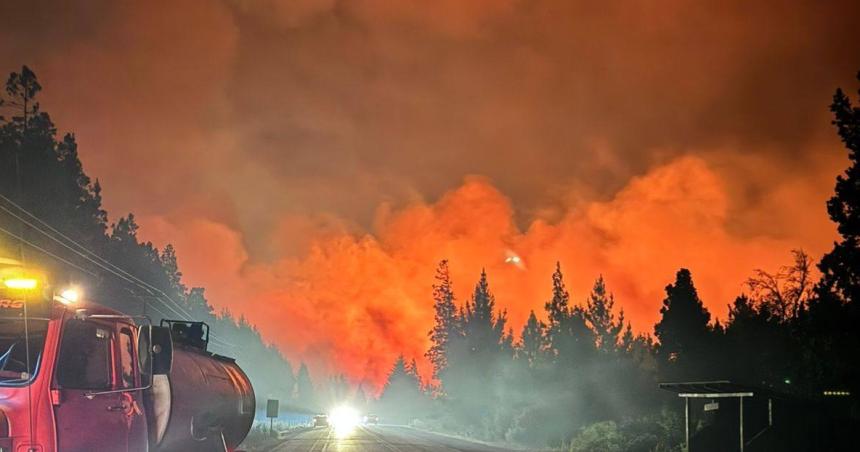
598,437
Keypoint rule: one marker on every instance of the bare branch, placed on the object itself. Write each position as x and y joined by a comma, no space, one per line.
785,292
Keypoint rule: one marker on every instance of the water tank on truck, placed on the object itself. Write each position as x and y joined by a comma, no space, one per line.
205,403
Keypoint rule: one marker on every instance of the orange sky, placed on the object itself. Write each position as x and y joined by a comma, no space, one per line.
312,160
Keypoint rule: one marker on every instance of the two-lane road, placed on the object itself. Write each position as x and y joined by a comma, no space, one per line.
379,438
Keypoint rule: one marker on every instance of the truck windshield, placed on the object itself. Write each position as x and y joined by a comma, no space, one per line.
15,367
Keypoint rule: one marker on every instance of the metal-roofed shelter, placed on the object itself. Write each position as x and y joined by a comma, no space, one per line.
718,390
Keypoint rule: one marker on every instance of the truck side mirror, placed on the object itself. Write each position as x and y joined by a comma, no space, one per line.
144,354
162,350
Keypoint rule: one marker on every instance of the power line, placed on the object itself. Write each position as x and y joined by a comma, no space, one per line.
115,270
148,286
184,316
42,250
154,307
71,264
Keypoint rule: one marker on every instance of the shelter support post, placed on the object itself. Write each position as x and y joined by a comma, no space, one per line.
770,412
741,404
716,390
687,423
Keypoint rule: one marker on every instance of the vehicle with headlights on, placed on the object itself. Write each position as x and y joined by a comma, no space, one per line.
77,376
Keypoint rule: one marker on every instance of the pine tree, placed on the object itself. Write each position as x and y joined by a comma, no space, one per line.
335,390
831,334
22,87
170,264
683,328
483,329
43,174
477,355
412,369
627,339
558,310
761,346
840,268
198,305
305,393
508,347
359,399
89,221
124,231
446,319
479,310
402,398
601,318
533,343
570,342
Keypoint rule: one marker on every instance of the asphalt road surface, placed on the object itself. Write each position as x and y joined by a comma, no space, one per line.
379,438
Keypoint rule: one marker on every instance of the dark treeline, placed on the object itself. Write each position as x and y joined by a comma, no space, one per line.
69,235
583,380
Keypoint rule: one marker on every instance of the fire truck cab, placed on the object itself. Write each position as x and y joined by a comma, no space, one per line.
80,377
73,375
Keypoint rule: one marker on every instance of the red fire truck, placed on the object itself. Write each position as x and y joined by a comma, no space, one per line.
79,377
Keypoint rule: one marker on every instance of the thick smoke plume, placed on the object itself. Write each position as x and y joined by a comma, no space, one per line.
353,302
308,157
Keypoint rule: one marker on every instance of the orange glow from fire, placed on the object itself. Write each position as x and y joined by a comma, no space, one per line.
352,302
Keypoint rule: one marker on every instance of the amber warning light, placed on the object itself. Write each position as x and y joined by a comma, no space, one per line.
21,283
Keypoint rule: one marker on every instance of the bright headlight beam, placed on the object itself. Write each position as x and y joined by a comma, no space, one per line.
70,295
344,419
